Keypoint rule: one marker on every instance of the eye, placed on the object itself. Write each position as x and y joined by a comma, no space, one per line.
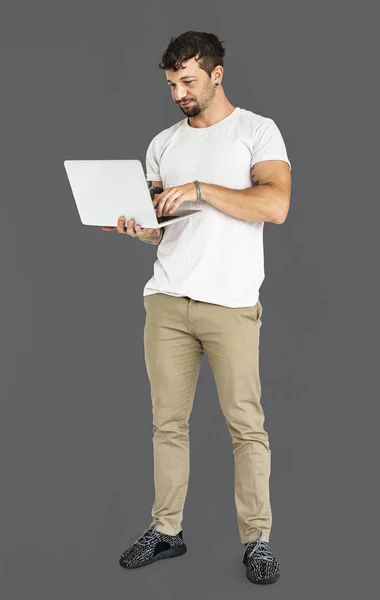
187,82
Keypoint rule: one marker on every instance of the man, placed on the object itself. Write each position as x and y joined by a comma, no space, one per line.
204,294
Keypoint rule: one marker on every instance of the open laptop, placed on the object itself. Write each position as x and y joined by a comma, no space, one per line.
105,190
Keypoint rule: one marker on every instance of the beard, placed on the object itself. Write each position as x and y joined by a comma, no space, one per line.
195,108
191,111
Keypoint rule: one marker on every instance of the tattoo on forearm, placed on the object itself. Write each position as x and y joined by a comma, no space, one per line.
155,238
254,182
154,190
157,234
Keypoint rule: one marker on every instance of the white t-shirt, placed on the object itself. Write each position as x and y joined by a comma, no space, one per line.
212,256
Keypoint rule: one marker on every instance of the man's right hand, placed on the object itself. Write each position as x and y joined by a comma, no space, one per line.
149,235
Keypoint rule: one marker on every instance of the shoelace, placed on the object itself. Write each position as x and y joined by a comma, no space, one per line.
146,536
261,549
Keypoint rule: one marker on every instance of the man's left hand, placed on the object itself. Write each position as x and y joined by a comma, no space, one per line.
170,199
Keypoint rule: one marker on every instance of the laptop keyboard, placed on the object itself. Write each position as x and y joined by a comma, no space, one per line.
167,218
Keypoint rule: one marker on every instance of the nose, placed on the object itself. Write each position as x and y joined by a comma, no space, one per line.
179,94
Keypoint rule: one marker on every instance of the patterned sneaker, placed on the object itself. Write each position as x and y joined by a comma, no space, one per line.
151,546
262,567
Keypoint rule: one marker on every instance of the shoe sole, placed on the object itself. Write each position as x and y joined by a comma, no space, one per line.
170,553
263,581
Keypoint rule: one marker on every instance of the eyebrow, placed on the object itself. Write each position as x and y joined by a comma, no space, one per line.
180,79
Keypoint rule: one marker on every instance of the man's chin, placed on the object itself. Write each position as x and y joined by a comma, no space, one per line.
190,111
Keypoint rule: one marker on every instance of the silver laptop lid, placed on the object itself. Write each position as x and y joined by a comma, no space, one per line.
106,189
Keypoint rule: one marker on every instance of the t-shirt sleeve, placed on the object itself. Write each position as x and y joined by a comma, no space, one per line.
268,143
151,161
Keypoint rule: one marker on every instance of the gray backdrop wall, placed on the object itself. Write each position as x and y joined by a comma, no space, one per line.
79,79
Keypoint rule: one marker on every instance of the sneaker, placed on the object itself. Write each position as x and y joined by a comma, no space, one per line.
262,567
151,546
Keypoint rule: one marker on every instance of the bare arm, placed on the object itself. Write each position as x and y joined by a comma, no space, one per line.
268,198
155,187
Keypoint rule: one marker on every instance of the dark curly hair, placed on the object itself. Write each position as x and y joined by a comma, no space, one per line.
206,48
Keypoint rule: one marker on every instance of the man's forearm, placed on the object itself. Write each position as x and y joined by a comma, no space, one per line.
257,203
157,234
155,238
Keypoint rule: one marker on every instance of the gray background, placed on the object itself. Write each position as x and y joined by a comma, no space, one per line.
79,79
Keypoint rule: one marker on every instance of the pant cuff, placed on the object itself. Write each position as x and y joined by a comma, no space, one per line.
255,536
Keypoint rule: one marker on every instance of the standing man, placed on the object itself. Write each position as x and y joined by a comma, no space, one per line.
204,294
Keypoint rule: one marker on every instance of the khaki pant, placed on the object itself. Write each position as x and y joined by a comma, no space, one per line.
178,330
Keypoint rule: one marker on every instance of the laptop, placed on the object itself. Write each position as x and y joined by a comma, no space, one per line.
105,190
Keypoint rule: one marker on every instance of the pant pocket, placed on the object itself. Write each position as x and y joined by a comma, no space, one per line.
259,310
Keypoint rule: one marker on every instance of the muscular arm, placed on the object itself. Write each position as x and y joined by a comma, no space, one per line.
155,187
267,199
